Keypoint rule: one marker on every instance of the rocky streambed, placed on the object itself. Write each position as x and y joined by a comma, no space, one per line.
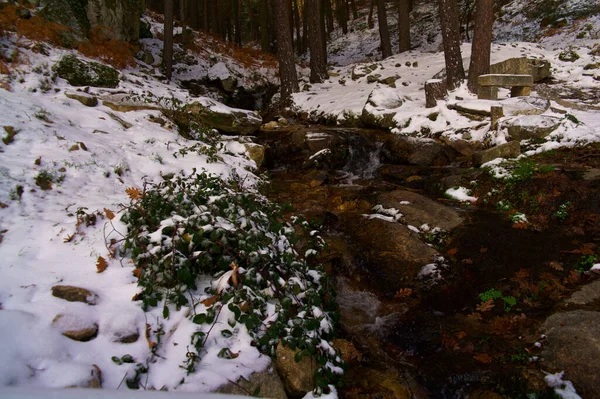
441,298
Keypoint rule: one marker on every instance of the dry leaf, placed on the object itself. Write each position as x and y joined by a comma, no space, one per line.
245,307
461,334
235,278
475,317
486,305
69,238
483,250
187,237
133,193
403,293
137,272
467,261
101,264
452,251
209,301
574,276
520,225
109,214
483,358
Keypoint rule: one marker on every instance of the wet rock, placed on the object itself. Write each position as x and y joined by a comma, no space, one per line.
221,117
509,150
531,127
75,327
316,142
298,377
393,253
268,383
418,151
349,352
74,294
420,210
389,384
84,98
256,153
585,295
86,73
572,346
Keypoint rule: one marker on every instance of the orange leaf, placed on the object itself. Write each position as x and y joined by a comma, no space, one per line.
209,301
109,214
486,306
475,317
69,238
574,276
556,266
520,225
452,251
133,193
137,272
101,264
483,358
461,334
483,250
403,293
234,276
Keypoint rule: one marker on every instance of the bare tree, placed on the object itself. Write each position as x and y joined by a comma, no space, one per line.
168,40
482,42
318,62
455,71
386,47
285,50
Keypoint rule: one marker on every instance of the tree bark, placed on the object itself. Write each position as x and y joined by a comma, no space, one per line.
297,25
265,37
318,63
328,16
354,9
183,14
370,19
285,51
455,71
435,89
341,12
403,25
168,40
386,47
482,42
254,32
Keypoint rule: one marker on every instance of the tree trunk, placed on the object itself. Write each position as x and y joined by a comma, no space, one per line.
386,47
323,30
354,9
403,25
285,51
455,71
193,14
482,42
297,25
435,89
341,12
206,16
318,64
183,14
305,28
168,40
328,16
265,37
254,33
370,19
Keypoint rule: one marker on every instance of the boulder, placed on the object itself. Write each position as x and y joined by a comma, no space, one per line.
393,254
256,152
84,98
298,377
268,384
86,73
420,210
509,150
531,126
119,18
418,151
572,346
227,81
362,70
70,13
585,295
74,294
568,56
539,69
75,327
381,106
224,118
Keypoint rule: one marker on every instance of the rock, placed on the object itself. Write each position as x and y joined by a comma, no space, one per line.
390,81
572,346
316,142
82,73
587,294
221,117
418,151
531,127
539,69
147,58
298,377
270,126
393,253
76,328
360,71
71,14
268,383
511,106
282,122
256,152
421,210
373,78
84,98
380,109
24,13
94,381
481,394
509,150
348,351
74,294
126,125
415,64
568,56
120,19
591,174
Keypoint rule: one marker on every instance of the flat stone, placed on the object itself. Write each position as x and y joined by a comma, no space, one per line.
84,98
505,80
539,69
74,294
587,294
531,126
573,346
75,327
591,174
509,150
268,383
298,377
420,210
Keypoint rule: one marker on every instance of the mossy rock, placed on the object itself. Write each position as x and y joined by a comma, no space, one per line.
568,56
70,13
82,73
145,31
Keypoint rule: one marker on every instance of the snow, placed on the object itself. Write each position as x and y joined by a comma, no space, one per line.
562,388
461,194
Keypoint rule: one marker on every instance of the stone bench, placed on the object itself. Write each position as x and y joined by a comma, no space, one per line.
520,85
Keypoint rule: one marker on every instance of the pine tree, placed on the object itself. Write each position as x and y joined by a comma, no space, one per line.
285,50
316,41
404,9
455,71
482,42
168,40
386,47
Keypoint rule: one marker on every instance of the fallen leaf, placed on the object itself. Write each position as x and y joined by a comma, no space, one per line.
403,293
133,193
483,358
235,279
475,316
574,276
109,214
209,301
486,305
69,238
452,251
483,250
461,334
101,264
467,261
137,272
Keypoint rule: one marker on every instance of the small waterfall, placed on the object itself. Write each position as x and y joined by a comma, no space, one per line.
364,158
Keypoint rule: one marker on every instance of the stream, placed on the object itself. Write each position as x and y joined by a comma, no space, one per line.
411,336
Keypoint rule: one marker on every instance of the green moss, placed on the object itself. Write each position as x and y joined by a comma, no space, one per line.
71,13
80,73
